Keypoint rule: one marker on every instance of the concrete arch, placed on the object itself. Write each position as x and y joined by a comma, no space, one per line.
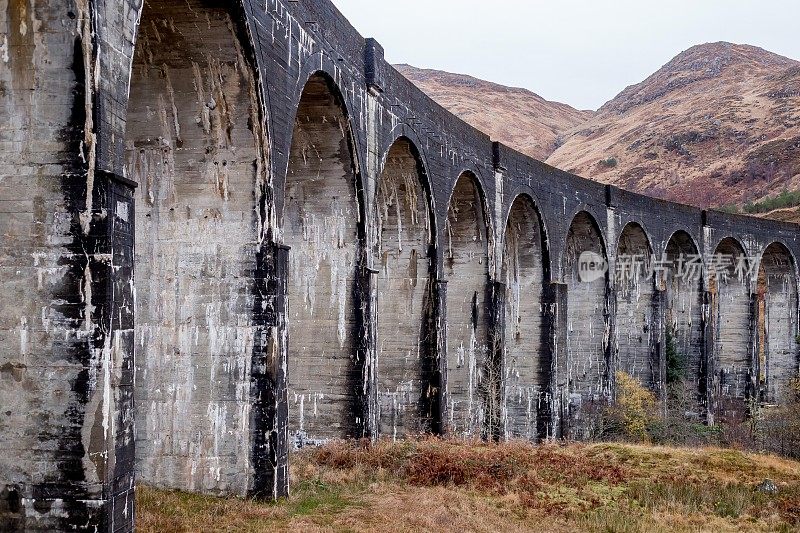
321,63
635,298
466,269
784,249
323,224
321,66
405,260
524,193
732,326
683,239
777,323
316,74
683,233
643,227
195,144
681,277
211,274
563,225
404,132
587,278
524,273
727,241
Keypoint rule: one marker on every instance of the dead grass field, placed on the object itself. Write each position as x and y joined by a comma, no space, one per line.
454,486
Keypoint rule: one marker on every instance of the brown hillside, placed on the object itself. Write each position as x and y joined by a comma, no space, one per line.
717,125
516,117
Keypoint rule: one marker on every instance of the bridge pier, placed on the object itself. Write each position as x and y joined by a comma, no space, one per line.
559,360
437,391
707,362
366,360
658,348
495,391
269,416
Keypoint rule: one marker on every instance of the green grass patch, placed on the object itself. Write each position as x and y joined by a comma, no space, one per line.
783,200
314,496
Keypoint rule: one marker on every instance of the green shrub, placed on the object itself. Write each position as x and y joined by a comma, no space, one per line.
608,162
782,201
677,364
730,208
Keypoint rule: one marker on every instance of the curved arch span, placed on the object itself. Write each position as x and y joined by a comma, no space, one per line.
194,130
585,260
777,348
525,269
466,268
682,282
404,257
635,306
729,290
321,225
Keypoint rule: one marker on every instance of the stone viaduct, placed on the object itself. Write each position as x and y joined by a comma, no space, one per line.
235,227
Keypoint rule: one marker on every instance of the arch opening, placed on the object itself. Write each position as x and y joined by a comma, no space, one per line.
524,269
193,144
777,351
635,301
729,289
321,225
466,268
403,257
683,283
587,315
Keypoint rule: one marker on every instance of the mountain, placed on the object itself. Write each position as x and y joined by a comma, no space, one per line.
515,117
717,126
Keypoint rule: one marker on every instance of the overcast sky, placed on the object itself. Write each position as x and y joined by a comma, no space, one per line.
581,52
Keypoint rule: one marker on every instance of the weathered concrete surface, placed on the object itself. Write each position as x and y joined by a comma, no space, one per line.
405,295
684,321
731,309
193,146
278,238
777,290
587,319
466,270
65,259
635,325
320,224
524,372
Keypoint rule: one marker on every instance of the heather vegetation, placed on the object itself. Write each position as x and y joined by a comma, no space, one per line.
435,485
652,465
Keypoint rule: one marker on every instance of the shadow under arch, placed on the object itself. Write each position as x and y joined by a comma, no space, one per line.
525,273
407,137
533,203
328,313
730,312
635,300
586,273
195,142
405,259
777,324
681,279
466,270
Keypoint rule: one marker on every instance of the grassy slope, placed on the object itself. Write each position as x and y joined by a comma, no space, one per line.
449,486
